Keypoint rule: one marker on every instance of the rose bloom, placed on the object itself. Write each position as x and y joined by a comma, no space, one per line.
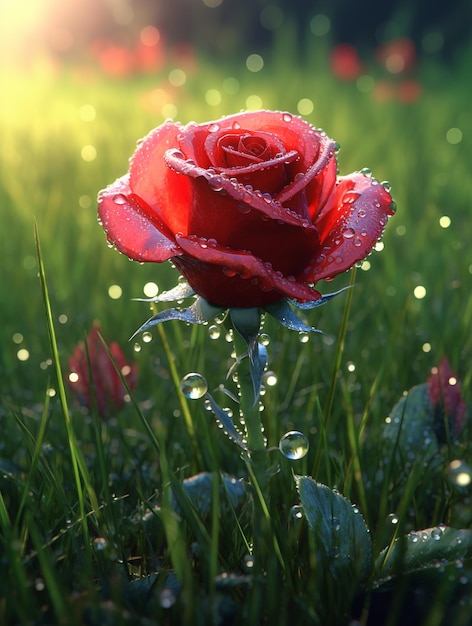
249,208
445,396
107,384
345,62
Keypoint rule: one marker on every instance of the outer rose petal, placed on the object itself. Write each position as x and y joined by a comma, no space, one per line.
230,278
161,188
351,222
132,227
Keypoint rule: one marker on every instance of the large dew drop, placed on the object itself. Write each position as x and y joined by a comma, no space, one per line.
193,386
294,445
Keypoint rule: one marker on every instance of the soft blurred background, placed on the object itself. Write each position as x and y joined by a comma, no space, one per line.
82,80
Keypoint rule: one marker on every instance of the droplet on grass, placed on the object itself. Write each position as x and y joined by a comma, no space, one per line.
193,386
294,445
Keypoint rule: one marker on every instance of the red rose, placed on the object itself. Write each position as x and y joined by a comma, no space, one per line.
445,395
249,208
107,385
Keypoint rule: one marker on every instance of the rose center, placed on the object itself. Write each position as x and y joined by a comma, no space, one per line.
243,150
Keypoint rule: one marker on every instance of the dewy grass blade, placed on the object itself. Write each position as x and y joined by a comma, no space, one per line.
337,363
182,400
145,423
50,576
34,458
81,475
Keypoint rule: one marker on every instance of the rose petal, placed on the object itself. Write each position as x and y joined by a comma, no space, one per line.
133,230
350,224
292,131
160,187
310,188
235,278
248,197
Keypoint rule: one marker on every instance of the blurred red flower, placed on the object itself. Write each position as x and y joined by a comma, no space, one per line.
409,91
444,390
345,62
106,384
397,56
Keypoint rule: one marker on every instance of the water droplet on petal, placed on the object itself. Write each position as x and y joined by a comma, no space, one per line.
193,386
294,445
213,128
366,171
349,233
119,198
287,117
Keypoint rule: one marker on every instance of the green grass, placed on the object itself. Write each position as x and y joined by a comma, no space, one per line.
76,543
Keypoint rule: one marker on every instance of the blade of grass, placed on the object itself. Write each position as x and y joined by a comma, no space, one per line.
336,365
81,474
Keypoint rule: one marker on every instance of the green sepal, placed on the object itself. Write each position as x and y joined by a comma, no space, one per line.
286,316
200,312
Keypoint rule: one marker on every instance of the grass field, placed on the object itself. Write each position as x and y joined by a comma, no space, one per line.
78,543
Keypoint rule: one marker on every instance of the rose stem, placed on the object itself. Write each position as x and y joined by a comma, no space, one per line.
257,459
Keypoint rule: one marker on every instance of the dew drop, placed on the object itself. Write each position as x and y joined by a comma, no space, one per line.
303,337
100,543
193,386
294,445
296,512
366,171
386,185
137,347
357,241
167,598
270,379
287,117
147,337
119,198
249,563
436,534
264,339
349,233
213,128
214,331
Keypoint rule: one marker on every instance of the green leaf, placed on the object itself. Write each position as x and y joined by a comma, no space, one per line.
179,292
409,429
199,490
200,312
342,539
226,423
421,550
